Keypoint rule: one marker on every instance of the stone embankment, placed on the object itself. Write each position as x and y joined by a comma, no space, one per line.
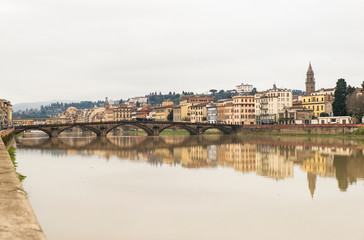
332,129
17,218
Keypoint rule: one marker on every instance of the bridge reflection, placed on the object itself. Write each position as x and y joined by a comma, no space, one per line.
272,157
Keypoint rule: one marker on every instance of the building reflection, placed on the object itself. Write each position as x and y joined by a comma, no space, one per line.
269,157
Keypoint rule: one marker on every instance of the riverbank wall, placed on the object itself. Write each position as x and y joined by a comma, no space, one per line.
333,129
17,218
6,132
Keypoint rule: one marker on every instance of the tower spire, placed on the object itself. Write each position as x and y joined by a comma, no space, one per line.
311,178
310,80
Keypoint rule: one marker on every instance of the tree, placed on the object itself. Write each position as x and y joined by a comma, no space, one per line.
324,114
121,101
170,116
350,90
362,86
137,104
339,106
252,92
213,91
355,106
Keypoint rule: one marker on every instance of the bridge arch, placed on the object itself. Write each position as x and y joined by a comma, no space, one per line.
222,129
144,127
17,131
97,132
191,130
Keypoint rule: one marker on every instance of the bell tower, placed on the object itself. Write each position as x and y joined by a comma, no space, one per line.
310,80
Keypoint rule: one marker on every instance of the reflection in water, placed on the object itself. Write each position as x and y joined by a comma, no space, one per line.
194,187
271,157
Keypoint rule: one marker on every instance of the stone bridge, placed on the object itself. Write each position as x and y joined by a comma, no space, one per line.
152,128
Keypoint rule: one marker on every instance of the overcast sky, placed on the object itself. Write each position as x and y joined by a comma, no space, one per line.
88,49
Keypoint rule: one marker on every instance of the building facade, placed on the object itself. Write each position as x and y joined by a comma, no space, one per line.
334,120
211,112
318,104
244,88
6,113
198,113
161,113
225,111
196,99
244,110
181,113
295,115
122,112
269,103
141,113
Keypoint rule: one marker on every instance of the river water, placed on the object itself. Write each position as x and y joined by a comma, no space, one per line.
195,187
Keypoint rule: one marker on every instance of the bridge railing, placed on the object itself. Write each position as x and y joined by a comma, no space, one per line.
124,122
187,123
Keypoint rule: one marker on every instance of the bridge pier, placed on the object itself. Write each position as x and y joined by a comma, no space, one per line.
102,134
156,131
199,130
54,133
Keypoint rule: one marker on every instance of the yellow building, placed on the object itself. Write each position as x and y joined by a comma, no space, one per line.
161,113
198,113
318,103
122,112
22,122
181,113
196,99
167,102
39,121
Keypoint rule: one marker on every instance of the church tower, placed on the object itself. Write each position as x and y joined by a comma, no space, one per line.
310,81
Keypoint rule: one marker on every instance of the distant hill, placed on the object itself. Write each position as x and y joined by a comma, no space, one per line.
36,105
53,109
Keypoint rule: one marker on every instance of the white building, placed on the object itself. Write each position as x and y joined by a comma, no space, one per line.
244,88
142,100
334,120
269,103
324,91
211,110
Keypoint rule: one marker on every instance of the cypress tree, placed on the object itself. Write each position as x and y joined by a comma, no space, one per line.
339,106
170,116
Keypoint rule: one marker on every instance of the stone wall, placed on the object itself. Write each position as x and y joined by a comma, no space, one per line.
6,132
302,129
17,219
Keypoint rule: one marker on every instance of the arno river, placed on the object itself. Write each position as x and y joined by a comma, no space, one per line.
189,187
